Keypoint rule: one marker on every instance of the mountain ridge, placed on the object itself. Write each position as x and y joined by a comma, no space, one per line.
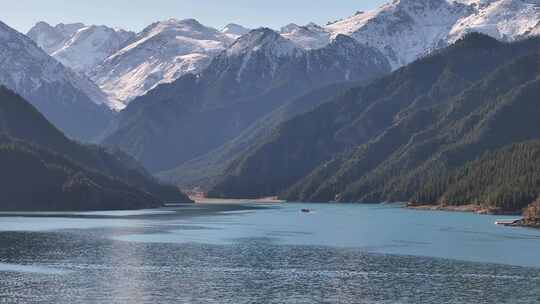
71,101
362,118
237,88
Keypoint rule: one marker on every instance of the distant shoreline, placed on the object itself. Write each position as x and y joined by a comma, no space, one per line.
471,208
199,198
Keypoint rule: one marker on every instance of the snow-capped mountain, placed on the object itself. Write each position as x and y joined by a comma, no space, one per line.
78,46
125,66
161,53
51,38
89,46
311,36
69,100
501,19
234,30
258,73
405,30
262,40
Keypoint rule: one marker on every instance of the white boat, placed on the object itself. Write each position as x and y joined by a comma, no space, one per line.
508,222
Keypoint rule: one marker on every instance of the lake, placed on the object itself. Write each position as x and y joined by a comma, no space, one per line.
274,254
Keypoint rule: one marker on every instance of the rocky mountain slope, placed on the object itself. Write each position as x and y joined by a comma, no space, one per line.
161,53
78,46
405,30
234,31
70,101
258,73
51,38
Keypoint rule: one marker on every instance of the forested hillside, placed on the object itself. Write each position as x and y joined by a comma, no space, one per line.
507,179
63,174
382,141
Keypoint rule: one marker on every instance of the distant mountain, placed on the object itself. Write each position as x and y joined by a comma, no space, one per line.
44,170
78,46
70,101
126,67
258,73
234,30
308,37
405,30
50,38
382,141
161,53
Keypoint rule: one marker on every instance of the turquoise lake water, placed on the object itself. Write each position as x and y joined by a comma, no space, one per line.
334,254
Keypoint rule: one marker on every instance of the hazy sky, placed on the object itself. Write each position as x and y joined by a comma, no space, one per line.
136,14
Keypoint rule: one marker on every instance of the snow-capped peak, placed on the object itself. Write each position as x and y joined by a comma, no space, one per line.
187,27
51,38
78,46
265,40
234,30
89,46
501,19
407,29
308,37
161,53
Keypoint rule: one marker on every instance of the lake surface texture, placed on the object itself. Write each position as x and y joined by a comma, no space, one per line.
277,254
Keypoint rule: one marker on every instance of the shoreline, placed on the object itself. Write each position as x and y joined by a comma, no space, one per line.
470,208
479,210
201,199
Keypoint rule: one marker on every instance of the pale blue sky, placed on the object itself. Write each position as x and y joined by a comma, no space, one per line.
136,14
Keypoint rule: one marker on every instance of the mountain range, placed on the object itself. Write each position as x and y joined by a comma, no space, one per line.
358,109
413,135
260,72
126,65
78,46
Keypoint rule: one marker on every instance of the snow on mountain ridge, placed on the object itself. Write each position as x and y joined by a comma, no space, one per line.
89,46
405,30
234,30
308,37
52,38
161,53
53,88
263,39
35,59
502,19
78,46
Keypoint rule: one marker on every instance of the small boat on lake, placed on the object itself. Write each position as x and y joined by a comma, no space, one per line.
514,222
306,210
